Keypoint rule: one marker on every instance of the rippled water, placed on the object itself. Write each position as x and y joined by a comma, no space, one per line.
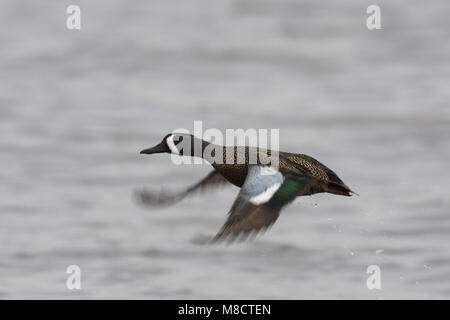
77,106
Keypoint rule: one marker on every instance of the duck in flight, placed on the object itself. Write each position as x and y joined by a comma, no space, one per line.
268,181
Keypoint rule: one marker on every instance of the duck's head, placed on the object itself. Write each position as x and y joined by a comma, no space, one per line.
176,143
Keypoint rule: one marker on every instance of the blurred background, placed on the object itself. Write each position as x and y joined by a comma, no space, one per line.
77,106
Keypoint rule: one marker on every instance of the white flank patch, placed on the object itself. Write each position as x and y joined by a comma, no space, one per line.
171,144
266,195
267,171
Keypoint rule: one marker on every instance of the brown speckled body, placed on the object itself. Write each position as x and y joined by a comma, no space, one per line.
320,178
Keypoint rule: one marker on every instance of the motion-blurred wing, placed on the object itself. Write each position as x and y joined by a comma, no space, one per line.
212,180
258,204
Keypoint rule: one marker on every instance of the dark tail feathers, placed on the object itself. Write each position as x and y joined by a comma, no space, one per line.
337,188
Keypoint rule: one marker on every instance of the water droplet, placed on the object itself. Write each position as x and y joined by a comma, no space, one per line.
352,253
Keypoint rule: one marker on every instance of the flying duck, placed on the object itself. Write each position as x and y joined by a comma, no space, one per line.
268,181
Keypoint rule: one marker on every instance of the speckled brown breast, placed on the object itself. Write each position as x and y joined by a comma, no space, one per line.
235,172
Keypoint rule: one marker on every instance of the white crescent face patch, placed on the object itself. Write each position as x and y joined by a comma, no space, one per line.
171,144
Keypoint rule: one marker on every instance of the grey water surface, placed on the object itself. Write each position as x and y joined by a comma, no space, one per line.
76,107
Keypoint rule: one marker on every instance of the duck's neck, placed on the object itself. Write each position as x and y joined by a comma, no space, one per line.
197,148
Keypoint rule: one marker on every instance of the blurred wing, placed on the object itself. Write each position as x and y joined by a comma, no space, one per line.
258,204
212,180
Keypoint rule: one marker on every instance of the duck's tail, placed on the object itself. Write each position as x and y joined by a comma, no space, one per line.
337,188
